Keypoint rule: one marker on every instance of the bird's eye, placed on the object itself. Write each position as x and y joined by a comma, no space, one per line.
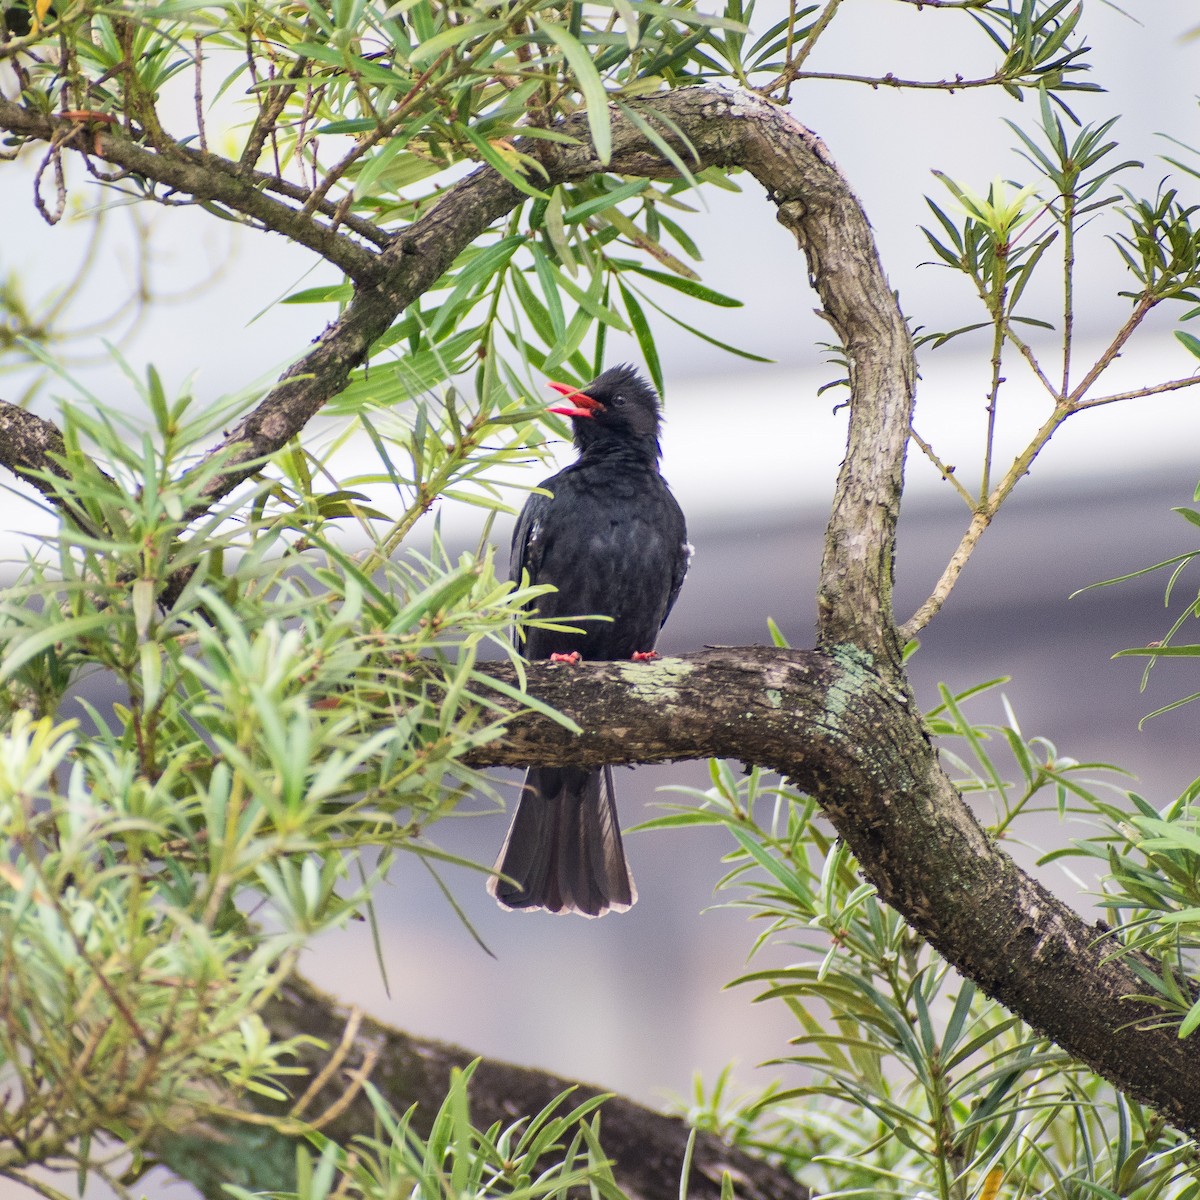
618,401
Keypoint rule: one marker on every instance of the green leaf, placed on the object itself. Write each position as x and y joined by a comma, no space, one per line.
590,84
1192,344
688,16
1185,651
321,295
665,148
706,337
645,339
374,166
525,699
689,287
590,300
546,277
430,48
500,164
23,649
1191,1021
580,212
481,268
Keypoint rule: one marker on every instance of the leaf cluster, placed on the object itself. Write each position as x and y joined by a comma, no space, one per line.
288,716
549,1155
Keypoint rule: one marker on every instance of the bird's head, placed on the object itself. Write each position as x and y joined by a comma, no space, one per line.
619,404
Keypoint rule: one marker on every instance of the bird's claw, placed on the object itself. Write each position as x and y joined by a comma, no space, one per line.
573,659
645,655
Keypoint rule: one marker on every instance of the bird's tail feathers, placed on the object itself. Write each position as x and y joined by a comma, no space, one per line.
563,852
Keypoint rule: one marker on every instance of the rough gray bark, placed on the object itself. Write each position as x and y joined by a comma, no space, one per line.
31,448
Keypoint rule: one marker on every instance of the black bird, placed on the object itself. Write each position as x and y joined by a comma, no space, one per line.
611,538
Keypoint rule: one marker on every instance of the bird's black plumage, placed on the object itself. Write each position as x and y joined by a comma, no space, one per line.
611,539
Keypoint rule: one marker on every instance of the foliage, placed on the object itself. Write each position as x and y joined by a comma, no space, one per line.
1167,647
456,1159
269,754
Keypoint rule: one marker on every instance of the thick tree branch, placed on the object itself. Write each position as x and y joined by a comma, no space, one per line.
647,1148
195,173
722,128
853,738
33,449
30,447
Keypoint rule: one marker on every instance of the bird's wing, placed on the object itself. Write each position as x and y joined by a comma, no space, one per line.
526,554
682,559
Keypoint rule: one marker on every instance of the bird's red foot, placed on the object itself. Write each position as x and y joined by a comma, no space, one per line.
574,658
645,655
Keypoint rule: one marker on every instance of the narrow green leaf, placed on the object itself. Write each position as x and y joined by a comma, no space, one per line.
524,698
23,649
687,16
447,39
706,337
580,212
534,309
321,295
689,287
645,339
590,84
1185,651
482,268
1191,1021
1190,341
590,300
666,149
499,163
557,232
546,278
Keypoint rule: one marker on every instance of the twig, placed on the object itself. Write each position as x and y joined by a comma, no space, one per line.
957,84
53,156
334,1063
268,115
998,304
947,473
384,129
1026,352
201,175
198,59
1145,303
792,70
1138,393
953,569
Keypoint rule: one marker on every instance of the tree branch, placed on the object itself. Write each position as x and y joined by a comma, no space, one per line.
33,449
854,739
30,447
196,173
647,1148
720,127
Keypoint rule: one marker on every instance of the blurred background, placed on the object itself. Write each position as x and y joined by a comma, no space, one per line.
636,1002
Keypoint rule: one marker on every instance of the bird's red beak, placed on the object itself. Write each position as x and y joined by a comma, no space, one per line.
584,406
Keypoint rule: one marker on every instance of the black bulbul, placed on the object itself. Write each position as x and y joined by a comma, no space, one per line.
611,539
